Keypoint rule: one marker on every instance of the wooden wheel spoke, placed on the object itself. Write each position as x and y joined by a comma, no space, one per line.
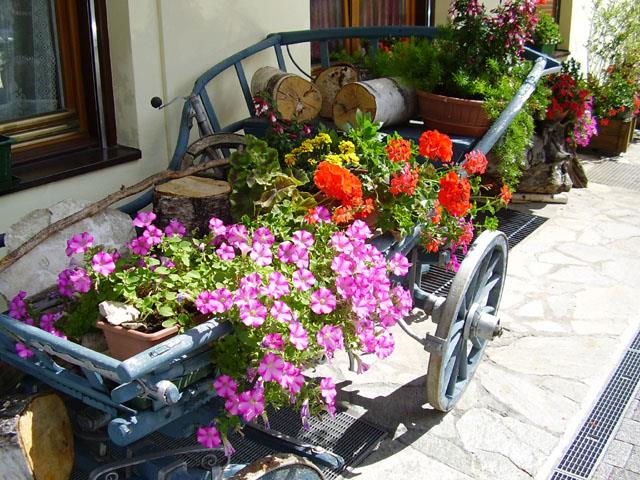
463,361
453,343
451,373
483,293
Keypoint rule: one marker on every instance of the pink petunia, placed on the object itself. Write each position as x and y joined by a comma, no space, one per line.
277,286
261,254
286,251
292,378
384,345
281,312
341,243
323,301
273,341
79,243
263,235
251,404
346,286
243,294
253,313
399,264
331,338
18,307
216,226
153,235
342,265
231,405
144,219
253,280
225,386
72,281
302,238
303,279
226,252
174,227
140,245
23,351
298,336
209,437
237,234
328,392
271,367
103,263
359,230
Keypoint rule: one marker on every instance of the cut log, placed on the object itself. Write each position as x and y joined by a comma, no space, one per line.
36,439
385,99
193,201
330,81
293,96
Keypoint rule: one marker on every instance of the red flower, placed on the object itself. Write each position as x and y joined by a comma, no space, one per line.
434,245
437,213
505,194
436,146
475,162
405,181
398,150
366,209
454,194
604,122
338,182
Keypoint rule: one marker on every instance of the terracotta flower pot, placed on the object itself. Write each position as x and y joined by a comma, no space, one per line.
455,116
124,342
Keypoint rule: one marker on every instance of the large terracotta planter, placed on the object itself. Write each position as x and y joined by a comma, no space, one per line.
454,116
124,342
614,138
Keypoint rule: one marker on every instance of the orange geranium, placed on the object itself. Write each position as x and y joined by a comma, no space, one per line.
505,194
436,146
338,182
475,162
398,150
455,194
405,181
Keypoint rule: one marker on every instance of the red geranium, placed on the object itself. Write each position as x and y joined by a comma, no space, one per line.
405,181
436,146
455,194
475,162
505,194
338,182
398,150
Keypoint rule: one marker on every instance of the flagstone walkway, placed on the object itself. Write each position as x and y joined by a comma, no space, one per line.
570,306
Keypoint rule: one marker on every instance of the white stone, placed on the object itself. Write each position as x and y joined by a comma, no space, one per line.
532,308
117,312
546,326
38,270
621,301
598,327
518,393
559,259
560,305
587,253
580,275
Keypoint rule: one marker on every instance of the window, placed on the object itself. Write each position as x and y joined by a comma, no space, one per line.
56,98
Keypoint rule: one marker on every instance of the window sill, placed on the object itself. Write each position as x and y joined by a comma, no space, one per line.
60,167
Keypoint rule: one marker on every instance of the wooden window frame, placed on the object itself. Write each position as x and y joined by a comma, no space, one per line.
83,136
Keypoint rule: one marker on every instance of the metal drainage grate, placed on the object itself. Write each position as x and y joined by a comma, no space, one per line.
615,174
350,437
515,225
582,455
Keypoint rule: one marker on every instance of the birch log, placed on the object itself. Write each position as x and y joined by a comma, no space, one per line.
36,439
385,99
330,81
293,96
193,201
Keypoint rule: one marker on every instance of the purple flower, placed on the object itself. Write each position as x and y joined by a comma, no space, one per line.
237,234
346,286
404,301
253,313
231,405
175,228
23,351
281,312
305,415
140,245
342,265
216,301
103,263
271,367
261,254
18,307
73,280
209,437
303,279
331,338
153,235
226,252
273,341
399,264
292,378
243,294
298,336
225,386
277,286
359,230
302,238
286,251
328,392
217,226
144,219
48,321
341,243
323,301
253,280
384,345
79,243
263,235
228,448
300,256
251,404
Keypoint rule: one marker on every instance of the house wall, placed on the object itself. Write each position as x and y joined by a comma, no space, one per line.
159,48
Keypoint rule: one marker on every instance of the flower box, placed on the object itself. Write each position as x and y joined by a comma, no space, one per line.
614,138
124,342
455,116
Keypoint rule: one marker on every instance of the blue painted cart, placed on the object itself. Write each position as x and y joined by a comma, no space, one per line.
143,394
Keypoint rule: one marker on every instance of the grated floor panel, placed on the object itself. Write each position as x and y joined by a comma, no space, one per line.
615,174
583,454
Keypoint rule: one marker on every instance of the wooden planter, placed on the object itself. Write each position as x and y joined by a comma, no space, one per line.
614,138
124,342
454,116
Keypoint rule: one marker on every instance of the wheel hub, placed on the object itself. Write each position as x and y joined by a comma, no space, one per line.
482,324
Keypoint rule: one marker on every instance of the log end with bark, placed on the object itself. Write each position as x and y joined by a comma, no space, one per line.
386,100
330,80
294,97
36,438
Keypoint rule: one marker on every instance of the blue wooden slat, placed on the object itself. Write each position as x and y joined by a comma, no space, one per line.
280,57
324,54
375,44
208,106
246,92
95,379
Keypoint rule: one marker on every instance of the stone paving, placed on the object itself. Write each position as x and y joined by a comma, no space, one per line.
569,308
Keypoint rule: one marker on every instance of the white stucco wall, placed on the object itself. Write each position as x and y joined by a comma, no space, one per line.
159,47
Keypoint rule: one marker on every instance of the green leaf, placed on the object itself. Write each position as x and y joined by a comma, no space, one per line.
168,323
166,311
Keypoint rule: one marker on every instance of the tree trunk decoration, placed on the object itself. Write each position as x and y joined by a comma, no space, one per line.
293,96
36,439
330,81
385,99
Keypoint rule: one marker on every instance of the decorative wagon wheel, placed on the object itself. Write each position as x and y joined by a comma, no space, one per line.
468,320
280,467
211,147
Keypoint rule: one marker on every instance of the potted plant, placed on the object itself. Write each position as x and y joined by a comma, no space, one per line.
547,33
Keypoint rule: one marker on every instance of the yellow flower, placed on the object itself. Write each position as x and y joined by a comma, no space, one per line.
346,146
290,159
351,157
320,139
333,158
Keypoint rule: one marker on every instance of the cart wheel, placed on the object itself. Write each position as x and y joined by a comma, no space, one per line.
468,320
215,146
280,467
